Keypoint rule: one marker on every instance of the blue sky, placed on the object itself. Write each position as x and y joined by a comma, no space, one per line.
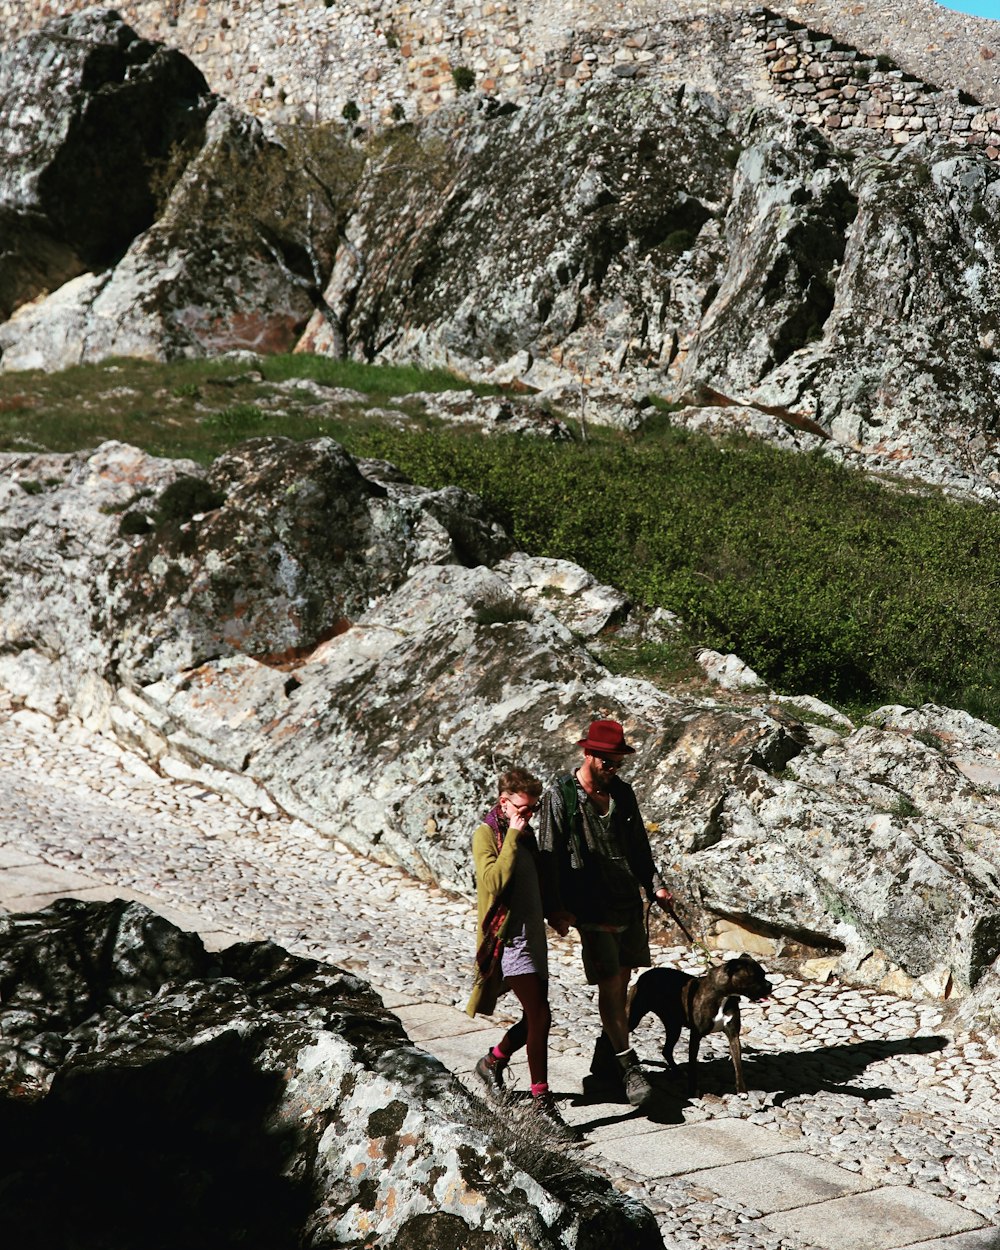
977,8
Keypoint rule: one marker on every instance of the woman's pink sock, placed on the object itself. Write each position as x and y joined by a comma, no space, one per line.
541,1088
497,1053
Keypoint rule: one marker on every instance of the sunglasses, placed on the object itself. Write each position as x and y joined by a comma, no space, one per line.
525,811
609,763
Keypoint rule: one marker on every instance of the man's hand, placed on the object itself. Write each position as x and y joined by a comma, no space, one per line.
663,898
561,922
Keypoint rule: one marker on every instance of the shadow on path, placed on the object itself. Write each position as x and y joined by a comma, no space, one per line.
787,1074
795,1073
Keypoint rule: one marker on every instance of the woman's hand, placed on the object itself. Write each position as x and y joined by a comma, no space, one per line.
516,820
519,814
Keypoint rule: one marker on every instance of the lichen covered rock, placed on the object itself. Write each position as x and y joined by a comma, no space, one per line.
249,1098
93,124
300,629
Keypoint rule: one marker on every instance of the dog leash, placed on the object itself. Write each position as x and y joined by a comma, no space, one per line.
667,905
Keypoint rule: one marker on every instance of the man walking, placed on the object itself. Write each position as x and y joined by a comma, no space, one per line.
595,857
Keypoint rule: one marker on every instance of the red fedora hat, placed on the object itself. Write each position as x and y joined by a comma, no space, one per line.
606,737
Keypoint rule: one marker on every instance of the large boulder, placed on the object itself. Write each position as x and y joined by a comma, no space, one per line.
857,298
279,547
231,261
60,520
118,564
574,237
146,218
94,123
151,1092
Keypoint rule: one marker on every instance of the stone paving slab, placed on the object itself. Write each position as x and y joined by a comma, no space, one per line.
37,880
884,1219
424,1022
671,1151
780,1182
11,857
394,999
605,1122
14,898
461,1054
978,1239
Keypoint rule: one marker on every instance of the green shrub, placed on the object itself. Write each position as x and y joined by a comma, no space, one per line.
824,581
133,523
463,78
350,112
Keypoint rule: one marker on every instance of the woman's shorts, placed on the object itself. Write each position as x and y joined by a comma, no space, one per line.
520,958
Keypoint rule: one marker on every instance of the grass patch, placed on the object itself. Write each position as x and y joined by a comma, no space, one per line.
378,382
667,663
821,579
200,408
808,717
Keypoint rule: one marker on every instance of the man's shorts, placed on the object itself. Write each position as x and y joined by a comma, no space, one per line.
604,953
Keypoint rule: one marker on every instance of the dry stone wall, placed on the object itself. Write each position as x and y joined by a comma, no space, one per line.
377,61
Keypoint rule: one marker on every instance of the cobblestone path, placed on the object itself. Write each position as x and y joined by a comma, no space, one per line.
870,1122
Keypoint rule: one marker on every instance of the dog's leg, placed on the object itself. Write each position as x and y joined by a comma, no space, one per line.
694,1041
736,1050
671,1032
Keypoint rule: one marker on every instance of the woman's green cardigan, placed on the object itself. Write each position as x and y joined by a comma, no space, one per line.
494,873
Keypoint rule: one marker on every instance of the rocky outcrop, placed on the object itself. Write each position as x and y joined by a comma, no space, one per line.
629,239
251,1098
149,219
725,262
317,633
93,124
118,564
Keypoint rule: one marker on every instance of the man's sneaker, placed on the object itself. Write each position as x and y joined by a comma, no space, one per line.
604,1065
545,1111
638,1090
490,1071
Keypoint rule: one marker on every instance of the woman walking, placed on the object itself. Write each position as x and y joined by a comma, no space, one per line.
513,951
